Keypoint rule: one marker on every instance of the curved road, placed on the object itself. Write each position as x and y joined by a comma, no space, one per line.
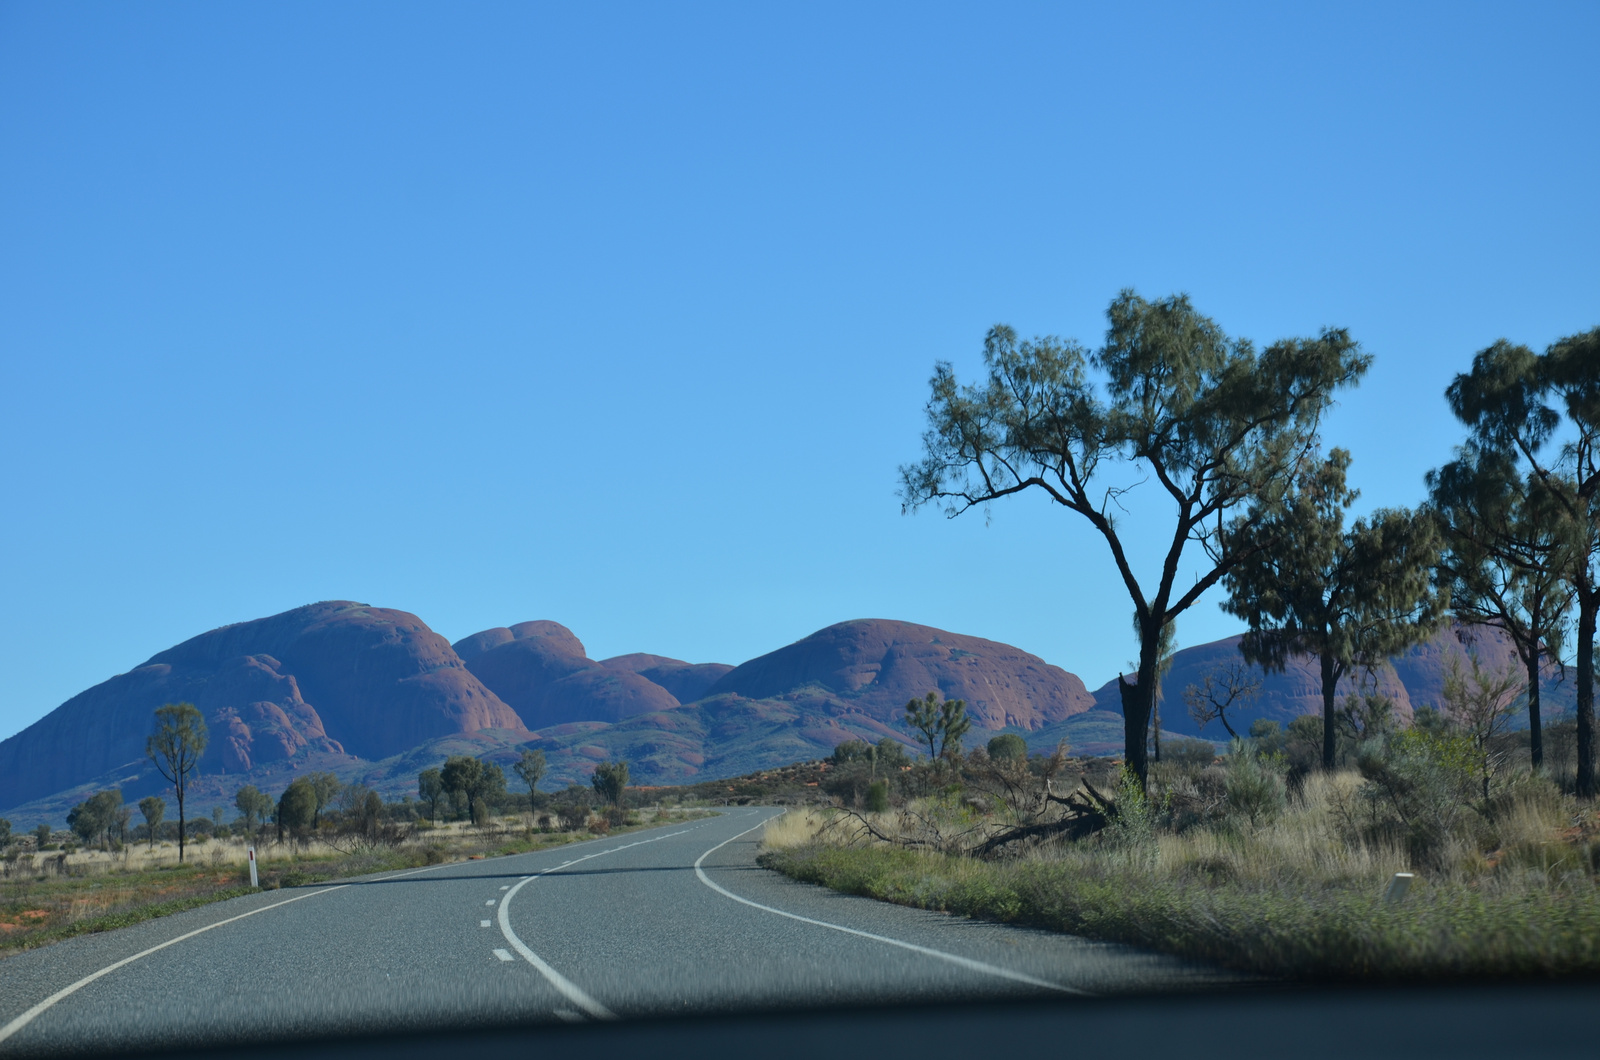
677,919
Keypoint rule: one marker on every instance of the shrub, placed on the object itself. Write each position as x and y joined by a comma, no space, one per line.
599,825
1189,754
1008,745
878,796
1419,783
1253,786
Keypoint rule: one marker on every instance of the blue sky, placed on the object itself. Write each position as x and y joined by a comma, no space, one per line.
622,315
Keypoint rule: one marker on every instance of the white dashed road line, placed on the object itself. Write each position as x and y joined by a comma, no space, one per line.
568,989
503,955
964,962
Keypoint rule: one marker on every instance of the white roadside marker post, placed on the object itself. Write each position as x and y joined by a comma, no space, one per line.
1398,886
253,881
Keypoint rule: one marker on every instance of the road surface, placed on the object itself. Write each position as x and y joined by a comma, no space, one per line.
673,920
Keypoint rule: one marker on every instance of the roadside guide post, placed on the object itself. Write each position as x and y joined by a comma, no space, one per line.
253,881
1398,886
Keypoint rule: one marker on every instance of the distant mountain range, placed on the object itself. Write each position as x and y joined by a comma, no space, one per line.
373,694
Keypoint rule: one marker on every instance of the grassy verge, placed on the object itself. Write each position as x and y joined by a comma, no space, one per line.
36,910
1291,899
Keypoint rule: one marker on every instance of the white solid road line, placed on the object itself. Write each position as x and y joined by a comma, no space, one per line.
965,962
570,990
33,1013
36,1011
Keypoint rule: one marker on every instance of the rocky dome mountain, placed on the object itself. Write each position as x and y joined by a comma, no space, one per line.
374,696
1414,678
874,666
334,678
541,669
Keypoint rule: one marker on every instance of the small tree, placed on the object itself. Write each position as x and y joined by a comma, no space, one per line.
462,776
175,747
96,817
1212,423
1008,746
430,789
325,787
610,781
255,805
1222,688
297,808
154,809
1513,401
939,725
530,767
41,836
1309,586
1482,705
1507,543
890,753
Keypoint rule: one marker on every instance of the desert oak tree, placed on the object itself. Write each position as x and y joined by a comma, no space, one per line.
1506,542
1213,422
1307,585
1509,400
175,747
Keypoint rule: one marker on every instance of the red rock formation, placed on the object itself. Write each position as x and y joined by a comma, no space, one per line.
686,681
1412,679
541,670
332,677
875,666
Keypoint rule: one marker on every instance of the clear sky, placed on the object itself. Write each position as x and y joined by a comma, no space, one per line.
622,315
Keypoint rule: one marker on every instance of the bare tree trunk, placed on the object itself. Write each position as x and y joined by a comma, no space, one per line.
1330,691
1535,726
1588,604
179,789
1138,704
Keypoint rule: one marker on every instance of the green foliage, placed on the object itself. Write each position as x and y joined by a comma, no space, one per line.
1307,586
1134,824
530,767
97,817
467,780
297,808
254,804
1310,933
610,782
5,833
1515,403
324,787
891,753
1419,784
176,748
1481,704
154,809
430,789
940,725
1215,423
878,796
1189,754
853,751
1506,536
1254,786
1008,746
41,836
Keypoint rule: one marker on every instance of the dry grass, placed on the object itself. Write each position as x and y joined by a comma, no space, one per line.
1298,896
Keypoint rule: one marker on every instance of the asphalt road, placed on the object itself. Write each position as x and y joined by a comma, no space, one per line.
674,920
